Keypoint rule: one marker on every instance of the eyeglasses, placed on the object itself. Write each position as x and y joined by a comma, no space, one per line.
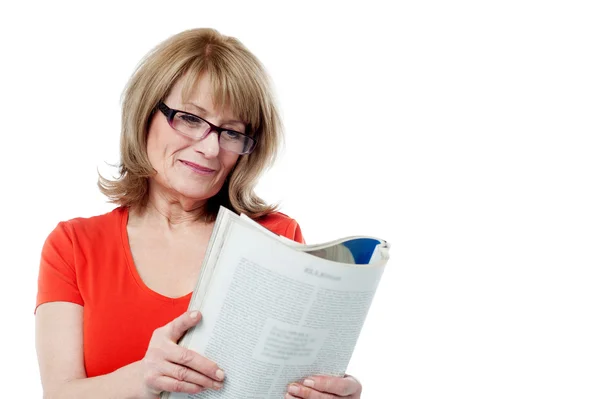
194,127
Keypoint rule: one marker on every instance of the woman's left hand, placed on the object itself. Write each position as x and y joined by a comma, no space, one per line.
325,387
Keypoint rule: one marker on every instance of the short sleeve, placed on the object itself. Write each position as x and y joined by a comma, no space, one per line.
57,279
293,232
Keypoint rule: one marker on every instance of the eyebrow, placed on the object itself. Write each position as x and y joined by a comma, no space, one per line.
204,112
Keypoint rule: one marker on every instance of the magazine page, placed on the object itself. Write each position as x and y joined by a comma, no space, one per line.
273,315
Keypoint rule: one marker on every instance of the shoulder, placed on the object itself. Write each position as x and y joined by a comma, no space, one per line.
283,225
82,228
97,221
67,252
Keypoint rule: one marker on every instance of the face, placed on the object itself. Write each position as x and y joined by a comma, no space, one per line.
190,171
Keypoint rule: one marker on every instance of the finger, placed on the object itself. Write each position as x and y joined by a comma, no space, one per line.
169,384
300,391
193,360
357,382
181,324
186,374
341,386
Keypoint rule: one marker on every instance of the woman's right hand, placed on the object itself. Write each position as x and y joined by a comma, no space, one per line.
170,367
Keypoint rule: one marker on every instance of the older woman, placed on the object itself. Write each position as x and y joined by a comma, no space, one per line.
199,126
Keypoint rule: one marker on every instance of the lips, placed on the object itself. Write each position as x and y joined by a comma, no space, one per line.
197,168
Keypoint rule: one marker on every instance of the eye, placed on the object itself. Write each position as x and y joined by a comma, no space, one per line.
190,120
230,135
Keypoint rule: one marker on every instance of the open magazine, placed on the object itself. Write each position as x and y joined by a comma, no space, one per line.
275,311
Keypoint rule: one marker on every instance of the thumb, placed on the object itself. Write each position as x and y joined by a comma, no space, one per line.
181,324
358,386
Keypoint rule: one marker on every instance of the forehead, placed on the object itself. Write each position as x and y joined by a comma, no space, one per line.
225,90
201,91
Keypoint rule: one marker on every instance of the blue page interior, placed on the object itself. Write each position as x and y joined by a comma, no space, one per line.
362,249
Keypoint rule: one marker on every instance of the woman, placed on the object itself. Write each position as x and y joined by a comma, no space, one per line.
199,126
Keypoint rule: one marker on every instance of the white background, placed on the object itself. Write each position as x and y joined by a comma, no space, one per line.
464,132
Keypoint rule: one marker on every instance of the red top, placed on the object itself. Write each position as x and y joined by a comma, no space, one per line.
88,261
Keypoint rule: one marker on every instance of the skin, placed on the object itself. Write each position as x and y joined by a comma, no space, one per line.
167,232
177,192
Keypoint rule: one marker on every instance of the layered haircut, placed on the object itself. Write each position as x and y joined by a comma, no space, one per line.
239,81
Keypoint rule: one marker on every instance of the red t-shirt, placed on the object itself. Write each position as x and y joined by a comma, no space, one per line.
88,261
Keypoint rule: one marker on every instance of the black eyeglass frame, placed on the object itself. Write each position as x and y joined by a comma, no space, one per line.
170,113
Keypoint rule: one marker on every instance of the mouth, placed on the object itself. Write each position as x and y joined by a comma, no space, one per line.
197,168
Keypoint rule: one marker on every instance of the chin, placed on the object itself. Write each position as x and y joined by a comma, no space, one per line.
196,193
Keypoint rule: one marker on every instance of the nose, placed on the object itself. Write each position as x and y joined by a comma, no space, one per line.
209,145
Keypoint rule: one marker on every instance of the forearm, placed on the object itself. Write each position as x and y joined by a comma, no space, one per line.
123,383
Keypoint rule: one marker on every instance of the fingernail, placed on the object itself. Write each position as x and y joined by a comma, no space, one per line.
194,315
217,385
309,383
220,374
293,389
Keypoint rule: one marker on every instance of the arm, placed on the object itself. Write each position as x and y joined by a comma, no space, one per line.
165,367
59,341
59,345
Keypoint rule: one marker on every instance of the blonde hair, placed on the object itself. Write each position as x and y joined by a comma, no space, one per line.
238,80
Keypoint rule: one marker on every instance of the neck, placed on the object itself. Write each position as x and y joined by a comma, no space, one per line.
167,210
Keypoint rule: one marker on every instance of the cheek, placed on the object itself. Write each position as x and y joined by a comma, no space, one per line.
162,146
229,160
